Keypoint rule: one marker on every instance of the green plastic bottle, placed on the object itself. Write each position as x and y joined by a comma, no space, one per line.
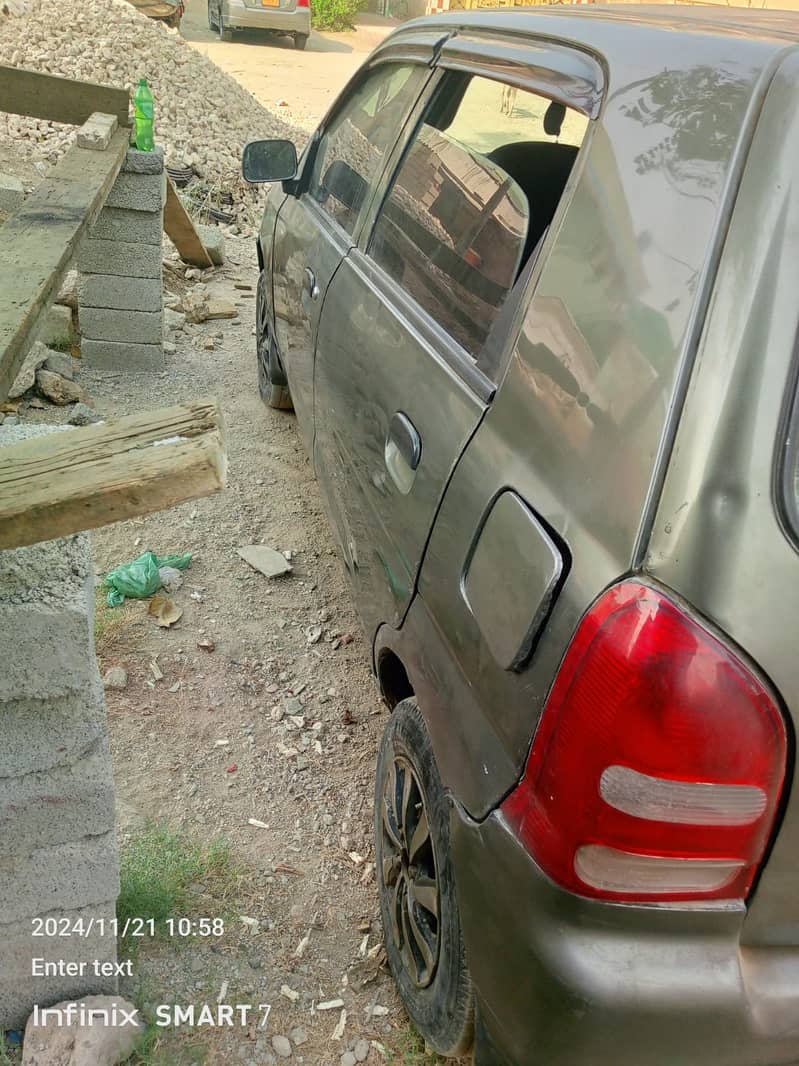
144,107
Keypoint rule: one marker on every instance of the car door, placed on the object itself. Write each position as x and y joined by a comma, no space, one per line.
317,222
406,337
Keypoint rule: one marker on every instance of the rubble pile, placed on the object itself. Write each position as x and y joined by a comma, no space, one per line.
203,116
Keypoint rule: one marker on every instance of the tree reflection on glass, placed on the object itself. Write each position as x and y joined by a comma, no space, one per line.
703,108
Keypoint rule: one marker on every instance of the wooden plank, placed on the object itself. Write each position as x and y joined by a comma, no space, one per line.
62,483
180,230
41,239
57,99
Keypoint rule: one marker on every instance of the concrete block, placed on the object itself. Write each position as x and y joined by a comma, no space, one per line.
12,193
56,326
137,162
132,294
52,807
39,735
46,652
137,192
120,258
138,327
97,131
214,240
20,990
122,357
135,227
81,873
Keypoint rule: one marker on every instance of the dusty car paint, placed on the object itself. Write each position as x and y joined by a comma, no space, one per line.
636,415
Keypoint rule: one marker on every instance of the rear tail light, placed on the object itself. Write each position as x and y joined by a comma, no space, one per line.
303,3
656,771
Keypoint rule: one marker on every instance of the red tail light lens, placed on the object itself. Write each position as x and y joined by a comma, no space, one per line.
656,771
303,3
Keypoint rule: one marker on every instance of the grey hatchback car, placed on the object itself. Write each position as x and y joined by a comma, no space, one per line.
532,292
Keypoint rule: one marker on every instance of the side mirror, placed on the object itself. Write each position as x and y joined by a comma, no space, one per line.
269,161
345,184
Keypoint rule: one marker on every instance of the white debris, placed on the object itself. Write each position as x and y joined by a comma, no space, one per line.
110,42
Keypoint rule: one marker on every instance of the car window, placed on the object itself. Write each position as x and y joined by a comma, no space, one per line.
351,151
472,198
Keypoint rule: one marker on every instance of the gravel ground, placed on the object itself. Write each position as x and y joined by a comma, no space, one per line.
279,722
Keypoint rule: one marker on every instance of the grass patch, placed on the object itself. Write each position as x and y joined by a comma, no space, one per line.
409,1050
111,622
6,1053
158,868
158,1048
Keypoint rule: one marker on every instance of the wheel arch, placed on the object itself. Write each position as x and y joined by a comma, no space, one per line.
392,677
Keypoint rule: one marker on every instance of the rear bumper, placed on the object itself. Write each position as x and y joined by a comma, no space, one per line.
565,981
239,16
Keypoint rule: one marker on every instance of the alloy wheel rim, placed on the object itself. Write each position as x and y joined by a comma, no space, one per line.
409,873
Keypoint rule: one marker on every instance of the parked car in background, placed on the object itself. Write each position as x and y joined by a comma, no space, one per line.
290,18
541,345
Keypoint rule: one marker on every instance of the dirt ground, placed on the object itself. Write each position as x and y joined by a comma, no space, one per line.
259,703
298,86
279,722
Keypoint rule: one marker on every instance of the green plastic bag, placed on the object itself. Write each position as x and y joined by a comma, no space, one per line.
140,579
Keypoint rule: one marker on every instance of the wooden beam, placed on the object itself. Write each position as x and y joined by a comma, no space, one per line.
180,230
40,241
56,99
61,483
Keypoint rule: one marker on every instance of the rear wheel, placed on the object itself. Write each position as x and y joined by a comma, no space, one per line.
416,884
300,41
273,395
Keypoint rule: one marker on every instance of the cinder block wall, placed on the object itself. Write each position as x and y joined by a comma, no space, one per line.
58,855
120,293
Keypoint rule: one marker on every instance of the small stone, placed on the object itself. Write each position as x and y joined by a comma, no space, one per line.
348,1059
214,240
267,561
173,320
68,295
299,1036
209,345
361,1050
59,363
220,309
282,1046
83,415
26,377
58,390
116,677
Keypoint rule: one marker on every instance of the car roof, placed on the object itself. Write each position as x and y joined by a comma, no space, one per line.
753,35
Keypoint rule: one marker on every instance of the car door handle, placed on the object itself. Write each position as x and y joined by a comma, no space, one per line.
403,452
310,284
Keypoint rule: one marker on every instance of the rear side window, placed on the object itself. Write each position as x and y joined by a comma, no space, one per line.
352,148
472,198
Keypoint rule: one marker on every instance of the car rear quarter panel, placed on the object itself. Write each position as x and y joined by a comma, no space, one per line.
719,538
578,424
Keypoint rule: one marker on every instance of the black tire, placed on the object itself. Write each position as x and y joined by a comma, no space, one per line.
418,900
225,33
277,396
300,41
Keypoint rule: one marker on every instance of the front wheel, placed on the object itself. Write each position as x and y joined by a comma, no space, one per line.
416,884
273,395
300,41
225,33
